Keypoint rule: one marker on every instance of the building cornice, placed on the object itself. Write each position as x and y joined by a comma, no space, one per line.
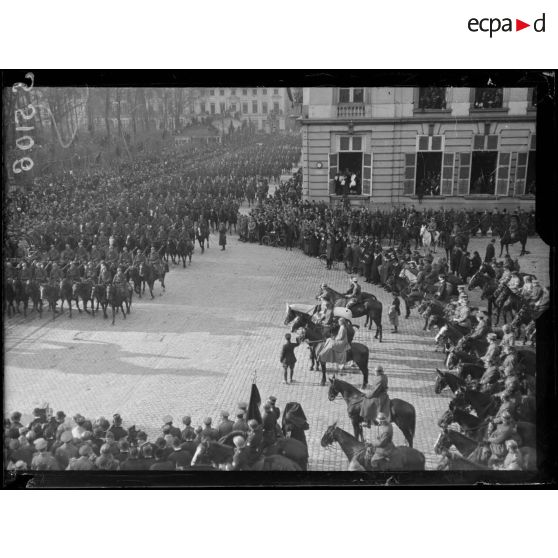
430,117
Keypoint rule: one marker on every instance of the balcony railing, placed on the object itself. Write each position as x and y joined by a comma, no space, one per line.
351,110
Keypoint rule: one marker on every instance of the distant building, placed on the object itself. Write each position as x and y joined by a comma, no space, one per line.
441,146
267,109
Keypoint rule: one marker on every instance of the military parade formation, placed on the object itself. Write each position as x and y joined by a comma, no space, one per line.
100,238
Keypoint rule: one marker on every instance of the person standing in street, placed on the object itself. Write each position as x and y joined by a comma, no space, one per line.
287,357
222,236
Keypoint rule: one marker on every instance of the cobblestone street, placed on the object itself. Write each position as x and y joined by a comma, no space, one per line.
194,349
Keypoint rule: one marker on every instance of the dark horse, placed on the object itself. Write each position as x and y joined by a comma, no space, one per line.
368,306
117,297
403,458
50,292
506,239
447,379
402,413
149,275
316,336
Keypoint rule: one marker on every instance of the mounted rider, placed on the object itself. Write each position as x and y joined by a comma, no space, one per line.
104,274
139,258
382,444
25,273
73,272
119,279
56,274
514,226
112,256
154,259
462,314
96,254
40,273
81,253
353,294
125,258
376,399
91,271
324,314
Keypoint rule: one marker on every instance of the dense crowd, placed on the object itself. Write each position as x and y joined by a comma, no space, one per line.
54,442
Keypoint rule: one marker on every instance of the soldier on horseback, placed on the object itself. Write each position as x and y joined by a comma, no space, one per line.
112,256
91,271
382,444
55,274
104,274
514,226
376,399
25,273
73,272
119,279
353,294
139,258
96,254
154,260
40,273
125,258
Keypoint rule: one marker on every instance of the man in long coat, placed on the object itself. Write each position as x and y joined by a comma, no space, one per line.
376,399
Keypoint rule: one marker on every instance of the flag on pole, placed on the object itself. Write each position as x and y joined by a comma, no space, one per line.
290,94
254,404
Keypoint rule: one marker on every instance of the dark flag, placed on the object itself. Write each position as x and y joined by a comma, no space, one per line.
289,93
254,405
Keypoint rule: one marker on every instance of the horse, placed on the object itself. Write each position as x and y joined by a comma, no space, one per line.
431,307
471,425
506,240
170,250
51,292
34,293
202,234
483,404
402,285
429,238
315,337
83,290
402,413
456,357
20,295
133,275
449,331
66,294
368,306
184,250
462,443
99,294
452,461
117,297
403,458
509,303
149,275
293,449
447,379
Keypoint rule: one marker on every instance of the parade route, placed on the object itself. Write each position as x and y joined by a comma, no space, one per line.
196,348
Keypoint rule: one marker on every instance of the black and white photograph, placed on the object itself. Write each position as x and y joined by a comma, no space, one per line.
282,277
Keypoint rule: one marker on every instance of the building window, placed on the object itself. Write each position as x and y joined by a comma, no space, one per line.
244,108
276,108
254,107
483,172
233,91
264,107
276,91
350,143
489,98
212,92
202,108
212,108
245,91
351,95
222,108
254,91
432,98
221,92
430,143
486,142
264,92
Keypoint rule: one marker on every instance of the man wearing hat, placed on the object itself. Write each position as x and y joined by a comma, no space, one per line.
117,430
241,457
442,292
43,460
119,278
188,434
353,293
66,451
504,431
225,426
83,462
254,439
240,423
462,315
490,253
78,429
483,325
269,425
493,350
376,399
287,356
382,443
272,400
15,419
173,431
209,433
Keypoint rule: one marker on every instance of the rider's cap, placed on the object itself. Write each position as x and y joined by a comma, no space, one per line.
225,414
252,423
379,369
491,336
287,335
354,279
272,398
381,416
167,419
207,421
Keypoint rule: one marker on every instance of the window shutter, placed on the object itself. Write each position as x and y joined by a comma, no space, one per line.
478,142
357,143
423,143
503,176
409,181
366,174
344,143
491,143
332,171
464,174
521,173
447,175
436,143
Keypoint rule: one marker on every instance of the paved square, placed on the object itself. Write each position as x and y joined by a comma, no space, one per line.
195,348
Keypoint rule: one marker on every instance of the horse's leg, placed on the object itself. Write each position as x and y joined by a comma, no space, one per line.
323,382
151,283
123,310
379,329
70,305
113,312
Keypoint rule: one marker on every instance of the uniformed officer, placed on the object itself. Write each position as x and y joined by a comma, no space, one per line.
353,293
509,336
91,271
241,457
73,272
462,315
504,431
382,442
43,460
240,423
25,272
173,430
492,351
112,256
81,253
96,254
188,434
67,254
254,439
483,325
269,425
40,273
104,274
125,258
119,278
53,254
55,274
209,433
155,259
442,292
225,426
139,258
272,400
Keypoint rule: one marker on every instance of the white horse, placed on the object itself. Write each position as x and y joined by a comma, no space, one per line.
429,239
